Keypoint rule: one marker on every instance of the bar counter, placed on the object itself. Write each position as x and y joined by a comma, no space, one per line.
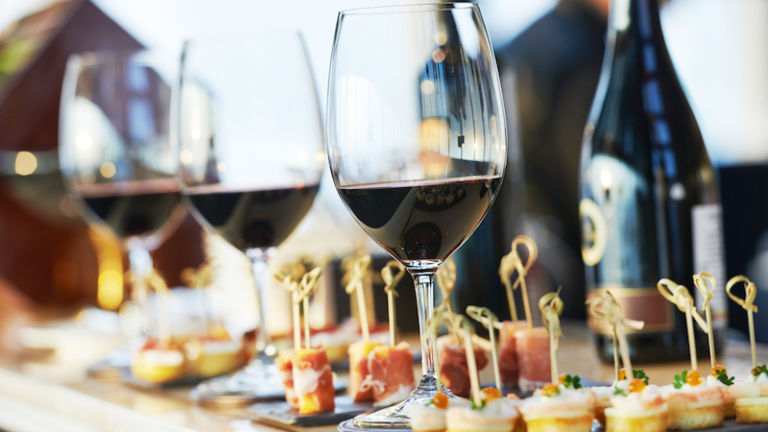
37,396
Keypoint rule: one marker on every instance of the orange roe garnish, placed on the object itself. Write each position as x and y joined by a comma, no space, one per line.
561,379
491,393
636,386
716,370
693,378
622,374
440,400
550,390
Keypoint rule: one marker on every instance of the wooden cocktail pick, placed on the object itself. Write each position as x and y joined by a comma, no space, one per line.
392,273
606,308
680,297
307,286
487,318
512,263
748,303
551,306
705,283
474,380
356,274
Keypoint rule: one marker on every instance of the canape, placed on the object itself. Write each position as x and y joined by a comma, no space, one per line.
508,364
639,408
159,361
358,370
313,381
454,372
692,405
213,355
494,414
284,363
750,397
532,348
718,377
555,408
390,374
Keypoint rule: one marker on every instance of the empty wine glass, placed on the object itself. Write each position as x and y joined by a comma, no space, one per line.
116,151
416,142
251,147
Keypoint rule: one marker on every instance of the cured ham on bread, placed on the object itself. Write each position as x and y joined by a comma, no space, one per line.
390,374
313,381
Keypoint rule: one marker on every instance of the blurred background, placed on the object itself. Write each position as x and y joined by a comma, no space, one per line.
549,53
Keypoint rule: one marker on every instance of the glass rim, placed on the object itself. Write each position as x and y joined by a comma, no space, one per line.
117,56
409,8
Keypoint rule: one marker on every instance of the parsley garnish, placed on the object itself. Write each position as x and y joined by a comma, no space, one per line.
572,382
722,376
619,392
640,374
760,370
680,379
477,407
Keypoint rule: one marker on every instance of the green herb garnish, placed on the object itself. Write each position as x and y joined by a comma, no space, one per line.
722,376
477,406
640,374
619,392
571,382
756,371
680,379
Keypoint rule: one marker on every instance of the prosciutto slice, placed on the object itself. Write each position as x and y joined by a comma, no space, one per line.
358,370
390,374
532,347
454,372
313,381
508,364
284,362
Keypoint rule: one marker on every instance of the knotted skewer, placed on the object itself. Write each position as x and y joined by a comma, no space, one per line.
290,277
551,306
356,274
748,303
608,309
391,280
306,287
705,283
512,263
485,317
680,297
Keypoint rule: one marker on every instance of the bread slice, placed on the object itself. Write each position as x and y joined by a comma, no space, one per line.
696,416
752,410
582,423
652,422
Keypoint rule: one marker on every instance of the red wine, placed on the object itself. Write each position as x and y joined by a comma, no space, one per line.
649,202
134,209
425,220
250,219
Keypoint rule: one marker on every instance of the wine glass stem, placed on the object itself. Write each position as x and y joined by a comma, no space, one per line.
425,283
141,265
259,259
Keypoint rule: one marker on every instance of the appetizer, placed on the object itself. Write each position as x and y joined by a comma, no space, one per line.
508,364
359,390
284,363
159,361
638,407
213,355
493,414
430,417
557,408
454,371
533,359
313,381
391,375
693,405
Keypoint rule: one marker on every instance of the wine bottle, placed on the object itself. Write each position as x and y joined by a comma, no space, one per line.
649,204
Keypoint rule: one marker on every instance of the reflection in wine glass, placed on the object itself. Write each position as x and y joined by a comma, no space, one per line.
416,142
116,151
251,151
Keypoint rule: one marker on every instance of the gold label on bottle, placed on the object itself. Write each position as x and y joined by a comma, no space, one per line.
594,232
642,304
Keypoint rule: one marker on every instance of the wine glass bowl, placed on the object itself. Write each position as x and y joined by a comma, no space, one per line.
116,150
416,142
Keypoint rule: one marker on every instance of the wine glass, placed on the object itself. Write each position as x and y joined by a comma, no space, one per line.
251,148
416,142
117,155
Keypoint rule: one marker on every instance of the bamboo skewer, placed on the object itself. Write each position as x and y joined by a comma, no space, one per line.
551,307
680,297
355,285
390,283
608,309
485,317
705,283
512,263
748,303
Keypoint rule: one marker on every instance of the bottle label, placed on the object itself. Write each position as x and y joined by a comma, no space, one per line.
706,220
643,304
594,232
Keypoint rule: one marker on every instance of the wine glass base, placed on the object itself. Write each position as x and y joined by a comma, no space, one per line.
396,416
257,381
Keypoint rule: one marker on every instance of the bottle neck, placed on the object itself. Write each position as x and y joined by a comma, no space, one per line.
635,35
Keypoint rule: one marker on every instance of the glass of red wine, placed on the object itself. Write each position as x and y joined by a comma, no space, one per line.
117,154
416,142
251,151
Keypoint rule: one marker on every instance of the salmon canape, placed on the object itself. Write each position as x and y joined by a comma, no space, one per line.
284,363
508,365
390,374
750,397
159,361
638,408
718,377
532,347
431,416
454,372
313,381
603,394
495,414
692,405
358,370
555,408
